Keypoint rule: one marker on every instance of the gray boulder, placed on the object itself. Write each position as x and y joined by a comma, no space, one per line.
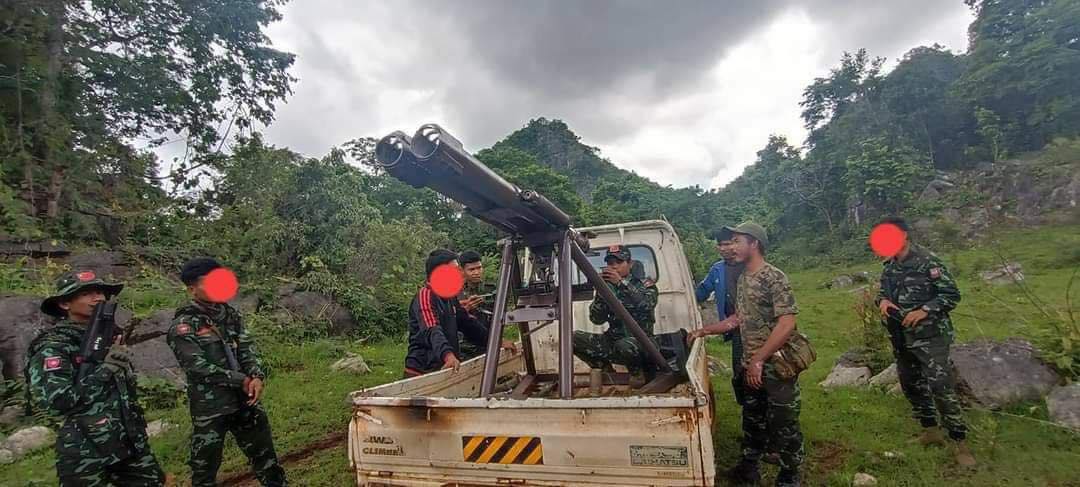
27,440
246,304
886,377
998,374
20,321
1009,273
106,264
1063,404
150,353
863,480
842,376
11,415
352,363
314,308
842,282
157,428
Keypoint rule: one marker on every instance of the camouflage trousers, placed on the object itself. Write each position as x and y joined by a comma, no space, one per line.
251,429
137,471
927,378
771,420
600,351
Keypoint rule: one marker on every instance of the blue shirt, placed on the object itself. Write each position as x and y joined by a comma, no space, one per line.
714,284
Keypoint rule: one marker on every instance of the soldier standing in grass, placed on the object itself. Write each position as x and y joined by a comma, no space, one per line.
225,383
765,316
917,293
103,438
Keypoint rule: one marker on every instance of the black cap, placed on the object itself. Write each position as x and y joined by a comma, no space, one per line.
196,268
617,252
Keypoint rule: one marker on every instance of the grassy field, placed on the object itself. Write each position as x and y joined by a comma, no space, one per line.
847,430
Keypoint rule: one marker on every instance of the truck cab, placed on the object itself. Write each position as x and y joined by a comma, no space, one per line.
436,430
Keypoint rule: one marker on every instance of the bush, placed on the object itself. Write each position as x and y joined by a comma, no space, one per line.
155,393
875,348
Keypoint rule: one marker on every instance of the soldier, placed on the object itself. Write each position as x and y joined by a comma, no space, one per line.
103,438
616,344
722,281
225,383
765,315
917,293
435,323
477,297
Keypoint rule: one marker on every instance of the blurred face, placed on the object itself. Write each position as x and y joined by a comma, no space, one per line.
621,267
81,306
198,290
474,272
726,249
742,248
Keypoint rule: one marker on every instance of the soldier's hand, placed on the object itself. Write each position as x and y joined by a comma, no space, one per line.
254,390
913,318
885,306
754,373
611,276
472,302
119,359
451,361
694,335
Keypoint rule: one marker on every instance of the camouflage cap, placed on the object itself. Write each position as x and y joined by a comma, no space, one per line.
70,284
619,252
754,230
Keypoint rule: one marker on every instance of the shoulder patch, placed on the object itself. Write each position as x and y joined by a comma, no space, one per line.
183,329
649,282
52,363
935,273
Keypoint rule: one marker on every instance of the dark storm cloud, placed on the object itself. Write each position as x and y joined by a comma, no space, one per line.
485,67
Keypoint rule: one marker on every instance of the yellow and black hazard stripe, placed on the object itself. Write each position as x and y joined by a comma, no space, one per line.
507,450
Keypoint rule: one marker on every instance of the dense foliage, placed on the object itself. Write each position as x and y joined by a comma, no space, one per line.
87,87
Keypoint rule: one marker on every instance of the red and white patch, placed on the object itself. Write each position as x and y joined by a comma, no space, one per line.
102,421
183,329
613,248
935,273
203,331
86,276
52,363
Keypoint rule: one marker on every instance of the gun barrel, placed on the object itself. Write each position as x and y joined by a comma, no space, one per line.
435,159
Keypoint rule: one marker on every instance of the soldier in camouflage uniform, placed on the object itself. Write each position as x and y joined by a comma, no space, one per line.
765,312
917,293
225,382
477,298
617,344
103,438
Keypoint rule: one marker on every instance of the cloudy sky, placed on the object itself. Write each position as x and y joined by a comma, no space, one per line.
681,92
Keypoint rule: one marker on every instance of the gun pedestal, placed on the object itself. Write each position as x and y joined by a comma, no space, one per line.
434,159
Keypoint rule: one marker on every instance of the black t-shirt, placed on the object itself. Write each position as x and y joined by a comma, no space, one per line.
732,271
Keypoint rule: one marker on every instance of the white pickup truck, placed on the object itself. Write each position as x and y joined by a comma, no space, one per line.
435,430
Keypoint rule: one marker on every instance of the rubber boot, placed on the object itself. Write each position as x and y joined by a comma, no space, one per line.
932,436
745,473
964,457
788,478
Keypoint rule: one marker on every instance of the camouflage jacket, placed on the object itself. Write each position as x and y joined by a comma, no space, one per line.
639,297
762,297
198,337
102,421
921,281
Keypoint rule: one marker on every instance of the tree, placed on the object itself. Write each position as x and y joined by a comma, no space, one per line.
83,79
829,98
1024,63
883,175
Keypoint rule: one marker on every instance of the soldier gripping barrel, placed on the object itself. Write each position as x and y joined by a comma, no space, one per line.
102,440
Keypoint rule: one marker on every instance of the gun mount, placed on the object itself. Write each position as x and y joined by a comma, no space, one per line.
432,158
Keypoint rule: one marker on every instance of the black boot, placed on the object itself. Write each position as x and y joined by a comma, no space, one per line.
745,473
788,478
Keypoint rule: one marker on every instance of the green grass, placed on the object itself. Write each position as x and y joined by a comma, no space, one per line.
847,430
